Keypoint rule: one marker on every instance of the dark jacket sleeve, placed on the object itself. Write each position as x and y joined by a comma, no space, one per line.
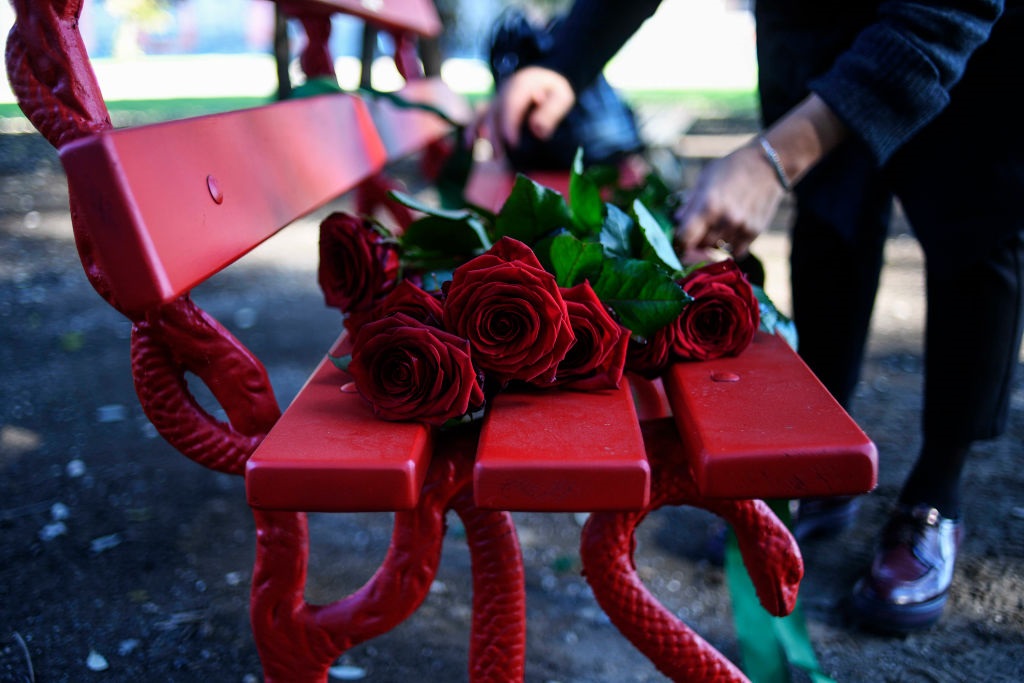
590,35
897,75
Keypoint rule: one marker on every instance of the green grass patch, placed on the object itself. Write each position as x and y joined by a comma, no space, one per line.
711,103
708,103
134,112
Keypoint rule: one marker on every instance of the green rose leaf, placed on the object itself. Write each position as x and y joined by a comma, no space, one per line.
441,232
644,296
655,244
573,260
531,211
617,233
657,197
444,235
603,175
584,199
429,209
542,248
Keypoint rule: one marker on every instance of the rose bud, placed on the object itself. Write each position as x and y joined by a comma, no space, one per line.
596,359
359,262
723,316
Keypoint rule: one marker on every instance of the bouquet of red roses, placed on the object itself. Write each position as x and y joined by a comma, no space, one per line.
545,293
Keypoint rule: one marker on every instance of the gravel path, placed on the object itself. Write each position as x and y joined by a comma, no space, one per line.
122,561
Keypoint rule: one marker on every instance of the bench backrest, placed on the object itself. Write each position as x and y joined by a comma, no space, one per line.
402,16
166,206
159,208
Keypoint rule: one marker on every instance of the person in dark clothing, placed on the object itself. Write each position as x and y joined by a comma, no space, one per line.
863,102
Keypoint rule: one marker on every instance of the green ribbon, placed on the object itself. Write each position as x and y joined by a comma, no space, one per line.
769,646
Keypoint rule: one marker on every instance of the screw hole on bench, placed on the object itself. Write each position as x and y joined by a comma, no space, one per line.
721,376
215,192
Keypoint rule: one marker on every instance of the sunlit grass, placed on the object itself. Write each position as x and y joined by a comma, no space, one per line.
718,103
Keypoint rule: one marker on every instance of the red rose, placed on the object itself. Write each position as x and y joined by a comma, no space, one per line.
723,316
407,370
511,311
596,358
414,302
649,357
358,262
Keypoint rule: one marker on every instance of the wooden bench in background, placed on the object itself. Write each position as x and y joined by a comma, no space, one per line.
158,209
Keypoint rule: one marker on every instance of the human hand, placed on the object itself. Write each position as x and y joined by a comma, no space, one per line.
537,95
732,202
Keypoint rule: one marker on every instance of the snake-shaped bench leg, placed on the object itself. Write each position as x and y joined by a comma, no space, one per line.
769,551
298,642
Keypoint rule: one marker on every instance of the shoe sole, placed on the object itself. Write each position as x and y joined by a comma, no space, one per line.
887,617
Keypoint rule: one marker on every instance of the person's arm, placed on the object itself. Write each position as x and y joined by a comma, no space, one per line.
542,94
897,74
736,196
590,35
892,81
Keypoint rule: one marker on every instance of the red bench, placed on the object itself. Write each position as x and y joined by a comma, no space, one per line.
158,209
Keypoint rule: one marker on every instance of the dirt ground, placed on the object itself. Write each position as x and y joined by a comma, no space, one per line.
122,561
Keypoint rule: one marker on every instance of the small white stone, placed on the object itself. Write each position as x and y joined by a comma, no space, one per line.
52,531
102,543
75,468
346,672
246,317
59,511
96,661
32,220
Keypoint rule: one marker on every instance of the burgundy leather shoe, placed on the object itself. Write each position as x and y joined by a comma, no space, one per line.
908,582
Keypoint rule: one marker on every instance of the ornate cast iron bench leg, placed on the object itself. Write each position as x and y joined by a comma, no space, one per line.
299,641
607,547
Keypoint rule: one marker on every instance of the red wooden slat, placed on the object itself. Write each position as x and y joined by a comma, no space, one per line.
650,399
761,425
150,194
328,453
401,16
562,451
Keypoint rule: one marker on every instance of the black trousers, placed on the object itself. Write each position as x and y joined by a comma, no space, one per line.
961,183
